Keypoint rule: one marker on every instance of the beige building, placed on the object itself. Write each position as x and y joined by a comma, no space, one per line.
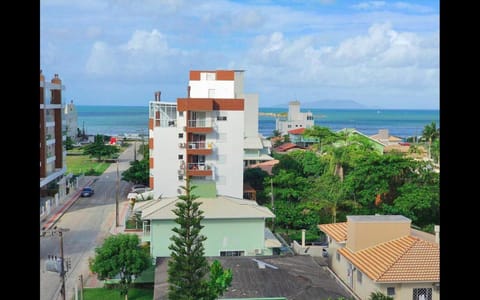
382,253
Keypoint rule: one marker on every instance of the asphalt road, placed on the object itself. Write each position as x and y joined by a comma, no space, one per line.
88,221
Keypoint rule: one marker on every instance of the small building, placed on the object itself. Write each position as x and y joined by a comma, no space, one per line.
385,138
382,253
265,166
296,136
295,119
233,227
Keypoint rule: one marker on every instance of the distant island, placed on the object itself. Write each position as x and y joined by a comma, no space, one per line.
329,104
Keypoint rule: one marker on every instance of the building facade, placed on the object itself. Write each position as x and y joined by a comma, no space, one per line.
70,116
52,135
204,136
295,119
233,227
382,253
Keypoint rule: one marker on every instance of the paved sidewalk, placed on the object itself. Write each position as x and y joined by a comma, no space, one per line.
58,211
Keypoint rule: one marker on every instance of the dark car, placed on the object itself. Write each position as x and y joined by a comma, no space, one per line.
87,191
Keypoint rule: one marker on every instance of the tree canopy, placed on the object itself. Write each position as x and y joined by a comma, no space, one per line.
120,255
99,149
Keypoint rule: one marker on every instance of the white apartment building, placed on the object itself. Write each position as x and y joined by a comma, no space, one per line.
70,116
203,136
295,119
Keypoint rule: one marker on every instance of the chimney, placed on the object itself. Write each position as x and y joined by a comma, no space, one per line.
188,91
157,96
437,233
42,78
56,79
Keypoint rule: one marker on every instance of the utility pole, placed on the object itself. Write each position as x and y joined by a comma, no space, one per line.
59,231
134,150
116,197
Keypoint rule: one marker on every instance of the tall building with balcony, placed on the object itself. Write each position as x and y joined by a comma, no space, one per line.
52,134
204,136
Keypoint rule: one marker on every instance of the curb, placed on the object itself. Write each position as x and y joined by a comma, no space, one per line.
64,208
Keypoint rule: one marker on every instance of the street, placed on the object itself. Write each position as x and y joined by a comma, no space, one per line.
88,220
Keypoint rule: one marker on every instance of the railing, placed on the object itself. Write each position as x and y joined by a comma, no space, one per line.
201,123
198,166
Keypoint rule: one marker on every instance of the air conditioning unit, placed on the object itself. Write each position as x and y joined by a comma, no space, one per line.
181,172
258,251
184,128
181,145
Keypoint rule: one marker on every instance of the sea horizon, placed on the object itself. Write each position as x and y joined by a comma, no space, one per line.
118,120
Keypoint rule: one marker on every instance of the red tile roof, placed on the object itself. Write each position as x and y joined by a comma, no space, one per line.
338,231
406,259
286,146
297,131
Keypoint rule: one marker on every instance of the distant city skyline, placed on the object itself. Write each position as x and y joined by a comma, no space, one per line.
380,54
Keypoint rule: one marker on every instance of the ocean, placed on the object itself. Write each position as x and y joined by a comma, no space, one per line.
120,120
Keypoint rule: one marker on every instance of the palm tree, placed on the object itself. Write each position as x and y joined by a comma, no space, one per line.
430,133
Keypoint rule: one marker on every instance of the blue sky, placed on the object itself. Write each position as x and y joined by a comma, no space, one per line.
119,52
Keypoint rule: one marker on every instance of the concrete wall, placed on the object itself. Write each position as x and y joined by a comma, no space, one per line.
229,156
222,235
166,162
363,234
223,89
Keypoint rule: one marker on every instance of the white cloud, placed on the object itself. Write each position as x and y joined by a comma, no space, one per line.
382,58
102,60
369,5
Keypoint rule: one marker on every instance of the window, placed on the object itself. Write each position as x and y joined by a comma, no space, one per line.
422,294
180,156
359,276
390,291
232,253
180,113
221,118
180,177
180,135
338,256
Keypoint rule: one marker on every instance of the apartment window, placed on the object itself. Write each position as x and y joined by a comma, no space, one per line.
211,93
289,126
337,256
180,135
232,253
391,291
221,118
180,156
359,276
180,113
422,294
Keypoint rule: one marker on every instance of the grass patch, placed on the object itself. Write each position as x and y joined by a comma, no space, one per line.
83,164
106,293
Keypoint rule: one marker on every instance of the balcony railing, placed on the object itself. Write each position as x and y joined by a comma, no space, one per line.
199,166
201,123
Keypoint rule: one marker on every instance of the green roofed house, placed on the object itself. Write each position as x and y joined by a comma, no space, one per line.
233,227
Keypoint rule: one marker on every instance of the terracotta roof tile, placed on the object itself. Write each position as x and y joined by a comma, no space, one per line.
405,259
338,231
297,131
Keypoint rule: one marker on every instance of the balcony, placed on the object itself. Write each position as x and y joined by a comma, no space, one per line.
199,169
200,148
200,125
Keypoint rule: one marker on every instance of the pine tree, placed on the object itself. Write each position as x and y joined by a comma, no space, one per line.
188,267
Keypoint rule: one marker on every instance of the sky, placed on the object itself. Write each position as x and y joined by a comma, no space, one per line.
381,54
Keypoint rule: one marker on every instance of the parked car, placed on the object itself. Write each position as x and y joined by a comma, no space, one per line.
87,191
140,188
